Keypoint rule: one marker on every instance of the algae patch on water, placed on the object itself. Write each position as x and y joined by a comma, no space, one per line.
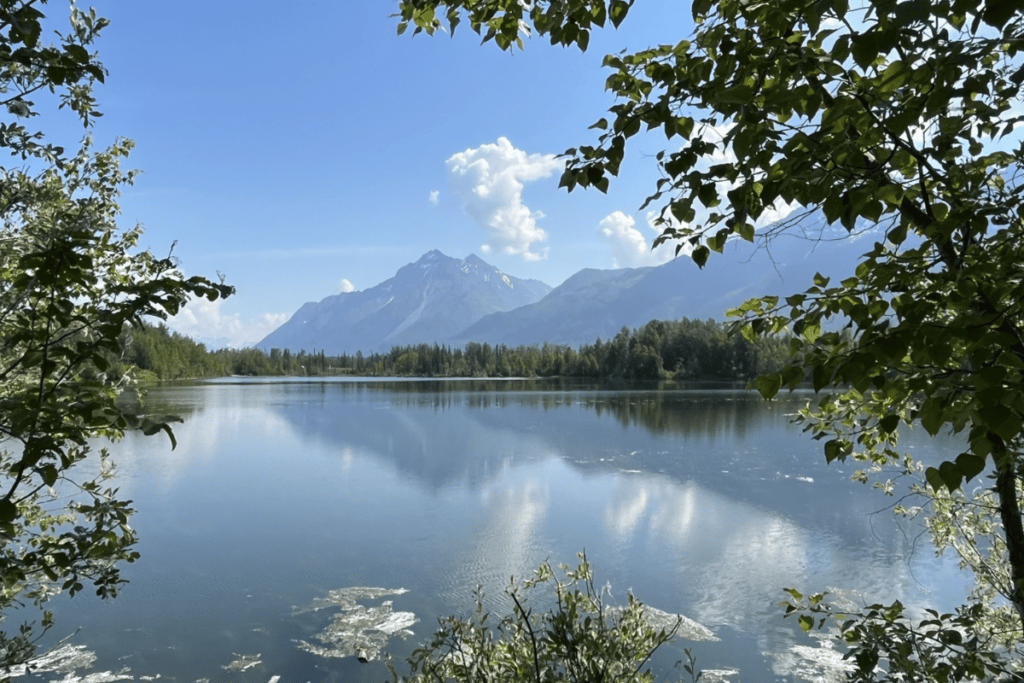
358,630
66,659
243,662
684,627
821,664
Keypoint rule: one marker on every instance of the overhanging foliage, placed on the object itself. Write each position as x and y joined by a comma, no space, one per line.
70,282
898,118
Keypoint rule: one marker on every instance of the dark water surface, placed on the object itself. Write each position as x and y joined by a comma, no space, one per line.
703,502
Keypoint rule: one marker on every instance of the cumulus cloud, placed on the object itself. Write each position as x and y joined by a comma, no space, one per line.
630,248
347,286
204,321
434,194
489,181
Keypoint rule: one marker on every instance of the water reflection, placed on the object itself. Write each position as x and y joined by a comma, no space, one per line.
729,440
705,503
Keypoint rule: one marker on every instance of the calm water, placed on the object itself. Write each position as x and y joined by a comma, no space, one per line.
702,502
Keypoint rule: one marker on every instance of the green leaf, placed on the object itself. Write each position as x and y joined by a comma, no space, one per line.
820,377
700,8
891,194
889,423
834,450
894,77
981,445
806,622
950,475
736,94
617,11
932,416
700,255
49,474
684,127
8,511
998,12
970,465
792,376
865,49
768,385
708,195
871,210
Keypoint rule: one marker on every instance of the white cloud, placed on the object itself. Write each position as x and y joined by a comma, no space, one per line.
630,247
434,194
203,321
488,180
347,286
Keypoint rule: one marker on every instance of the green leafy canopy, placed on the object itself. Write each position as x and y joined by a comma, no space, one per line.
894,118
71,282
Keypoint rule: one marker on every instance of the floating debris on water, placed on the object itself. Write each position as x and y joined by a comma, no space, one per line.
68,658
99,677
64,659
823,664
243,662
358,630
688,628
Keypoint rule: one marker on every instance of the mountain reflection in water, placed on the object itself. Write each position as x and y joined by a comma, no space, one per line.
702,502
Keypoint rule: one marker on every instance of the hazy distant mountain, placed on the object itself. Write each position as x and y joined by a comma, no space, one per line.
424,302
451,301
598,303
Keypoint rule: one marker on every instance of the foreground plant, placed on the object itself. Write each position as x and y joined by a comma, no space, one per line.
883,643
578,638
71,281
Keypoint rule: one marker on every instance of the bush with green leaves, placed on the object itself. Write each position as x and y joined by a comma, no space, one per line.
572,636
71,282
883,643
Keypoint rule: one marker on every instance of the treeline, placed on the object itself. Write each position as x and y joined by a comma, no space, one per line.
169,355
683,349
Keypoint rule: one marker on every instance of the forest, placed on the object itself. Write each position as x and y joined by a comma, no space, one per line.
682,349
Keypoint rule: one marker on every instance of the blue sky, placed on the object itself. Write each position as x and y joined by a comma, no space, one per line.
304,148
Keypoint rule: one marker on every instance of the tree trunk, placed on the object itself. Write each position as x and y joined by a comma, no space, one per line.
1013,525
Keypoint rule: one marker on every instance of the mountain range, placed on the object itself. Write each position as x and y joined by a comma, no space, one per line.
424,302
439,299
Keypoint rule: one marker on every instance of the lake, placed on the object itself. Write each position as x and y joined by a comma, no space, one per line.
704,502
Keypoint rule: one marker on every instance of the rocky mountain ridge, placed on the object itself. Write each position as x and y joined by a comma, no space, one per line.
439,299
424,301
